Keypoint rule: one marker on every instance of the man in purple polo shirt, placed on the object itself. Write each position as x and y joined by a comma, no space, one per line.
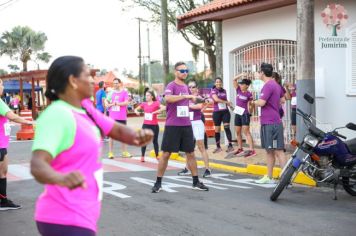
272,139
178,132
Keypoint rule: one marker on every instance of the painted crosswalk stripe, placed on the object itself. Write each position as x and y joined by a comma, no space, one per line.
20,171
128,166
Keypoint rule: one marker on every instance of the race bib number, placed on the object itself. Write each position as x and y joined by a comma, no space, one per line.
99,177
148,116
15,106
182,111
191,115
239,110
115,108
7,129
294,101
221,106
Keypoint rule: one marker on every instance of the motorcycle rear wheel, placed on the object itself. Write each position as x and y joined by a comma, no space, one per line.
349,188
284,181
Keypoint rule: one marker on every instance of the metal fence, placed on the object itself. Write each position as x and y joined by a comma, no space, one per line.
282,55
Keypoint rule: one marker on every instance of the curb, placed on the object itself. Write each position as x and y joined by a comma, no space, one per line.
301,178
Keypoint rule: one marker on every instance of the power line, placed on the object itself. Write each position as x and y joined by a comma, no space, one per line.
7,4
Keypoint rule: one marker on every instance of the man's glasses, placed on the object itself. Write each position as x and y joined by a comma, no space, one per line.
192,87
183,71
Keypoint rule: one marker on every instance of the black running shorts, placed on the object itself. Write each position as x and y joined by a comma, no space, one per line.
3,153
178,138
221,116
242,120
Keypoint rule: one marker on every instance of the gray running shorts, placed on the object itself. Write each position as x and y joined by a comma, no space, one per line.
272,136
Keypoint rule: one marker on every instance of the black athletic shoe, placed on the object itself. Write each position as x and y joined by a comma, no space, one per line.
207,173
156,188
9,205
184,172
200,186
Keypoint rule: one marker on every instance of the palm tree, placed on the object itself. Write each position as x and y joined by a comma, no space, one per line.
44,57
21,43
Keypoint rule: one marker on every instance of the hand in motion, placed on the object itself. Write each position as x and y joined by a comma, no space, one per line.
143,137
72,180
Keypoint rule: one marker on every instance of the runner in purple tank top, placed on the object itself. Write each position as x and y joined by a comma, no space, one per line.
68,161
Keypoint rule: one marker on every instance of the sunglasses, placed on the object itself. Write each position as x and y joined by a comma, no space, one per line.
192,87
183,71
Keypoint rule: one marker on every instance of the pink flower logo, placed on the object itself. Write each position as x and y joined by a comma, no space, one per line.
334,17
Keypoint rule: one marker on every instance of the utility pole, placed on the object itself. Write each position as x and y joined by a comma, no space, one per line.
139,51
218,49
149,58
305,60
165,49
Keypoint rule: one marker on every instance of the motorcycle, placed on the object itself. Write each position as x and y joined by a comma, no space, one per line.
325,157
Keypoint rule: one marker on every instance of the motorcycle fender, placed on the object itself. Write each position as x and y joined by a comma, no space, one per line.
296,163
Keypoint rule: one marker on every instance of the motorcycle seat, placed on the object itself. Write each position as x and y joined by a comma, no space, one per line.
351,145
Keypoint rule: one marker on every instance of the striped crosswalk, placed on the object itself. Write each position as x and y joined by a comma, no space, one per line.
17,172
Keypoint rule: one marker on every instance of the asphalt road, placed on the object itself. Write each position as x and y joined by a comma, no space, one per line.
233,206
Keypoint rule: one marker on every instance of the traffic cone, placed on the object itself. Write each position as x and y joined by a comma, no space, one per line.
26,132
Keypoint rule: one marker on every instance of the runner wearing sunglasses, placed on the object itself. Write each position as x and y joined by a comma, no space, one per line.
178,133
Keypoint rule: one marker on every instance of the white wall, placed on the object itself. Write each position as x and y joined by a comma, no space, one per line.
336,108
279,23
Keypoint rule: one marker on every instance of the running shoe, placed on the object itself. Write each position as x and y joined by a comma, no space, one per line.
217,150
250,153
9,205
156,188
184,172
142,159
239,151
207,173
200,186
230,148
126,154
265,180
111,155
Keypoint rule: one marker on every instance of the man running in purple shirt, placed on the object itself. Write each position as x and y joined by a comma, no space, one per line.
272,139
178,132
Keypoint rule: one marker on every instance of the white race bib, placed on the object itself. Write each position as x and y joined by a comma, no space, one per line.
115,108
239,110
15,106
182,111
148,116
99,177
294,101
221,106
191,115
7,129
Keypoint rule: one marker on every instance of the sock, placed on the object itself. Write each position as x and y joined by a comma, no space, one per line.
159,180
3,184
217,139
195,180
228,134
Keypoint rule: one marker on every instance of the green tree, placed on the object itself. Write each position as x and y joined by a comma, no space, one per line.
23,44
43,57
14,68
200,35
3,72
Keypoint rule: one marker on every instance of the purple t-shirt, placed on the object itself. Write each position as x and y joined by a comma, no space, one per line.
177,112
242,99
194,114
221,93
271,93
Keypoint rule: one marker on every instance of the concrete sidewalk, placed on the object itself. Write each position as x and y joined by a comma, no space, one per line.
255,165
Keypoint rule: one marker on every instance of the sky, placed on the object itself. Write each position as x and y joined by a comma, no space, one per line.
97,30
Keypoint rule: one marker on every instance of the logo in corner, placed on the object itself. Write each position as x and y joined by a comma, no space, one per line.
334,17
